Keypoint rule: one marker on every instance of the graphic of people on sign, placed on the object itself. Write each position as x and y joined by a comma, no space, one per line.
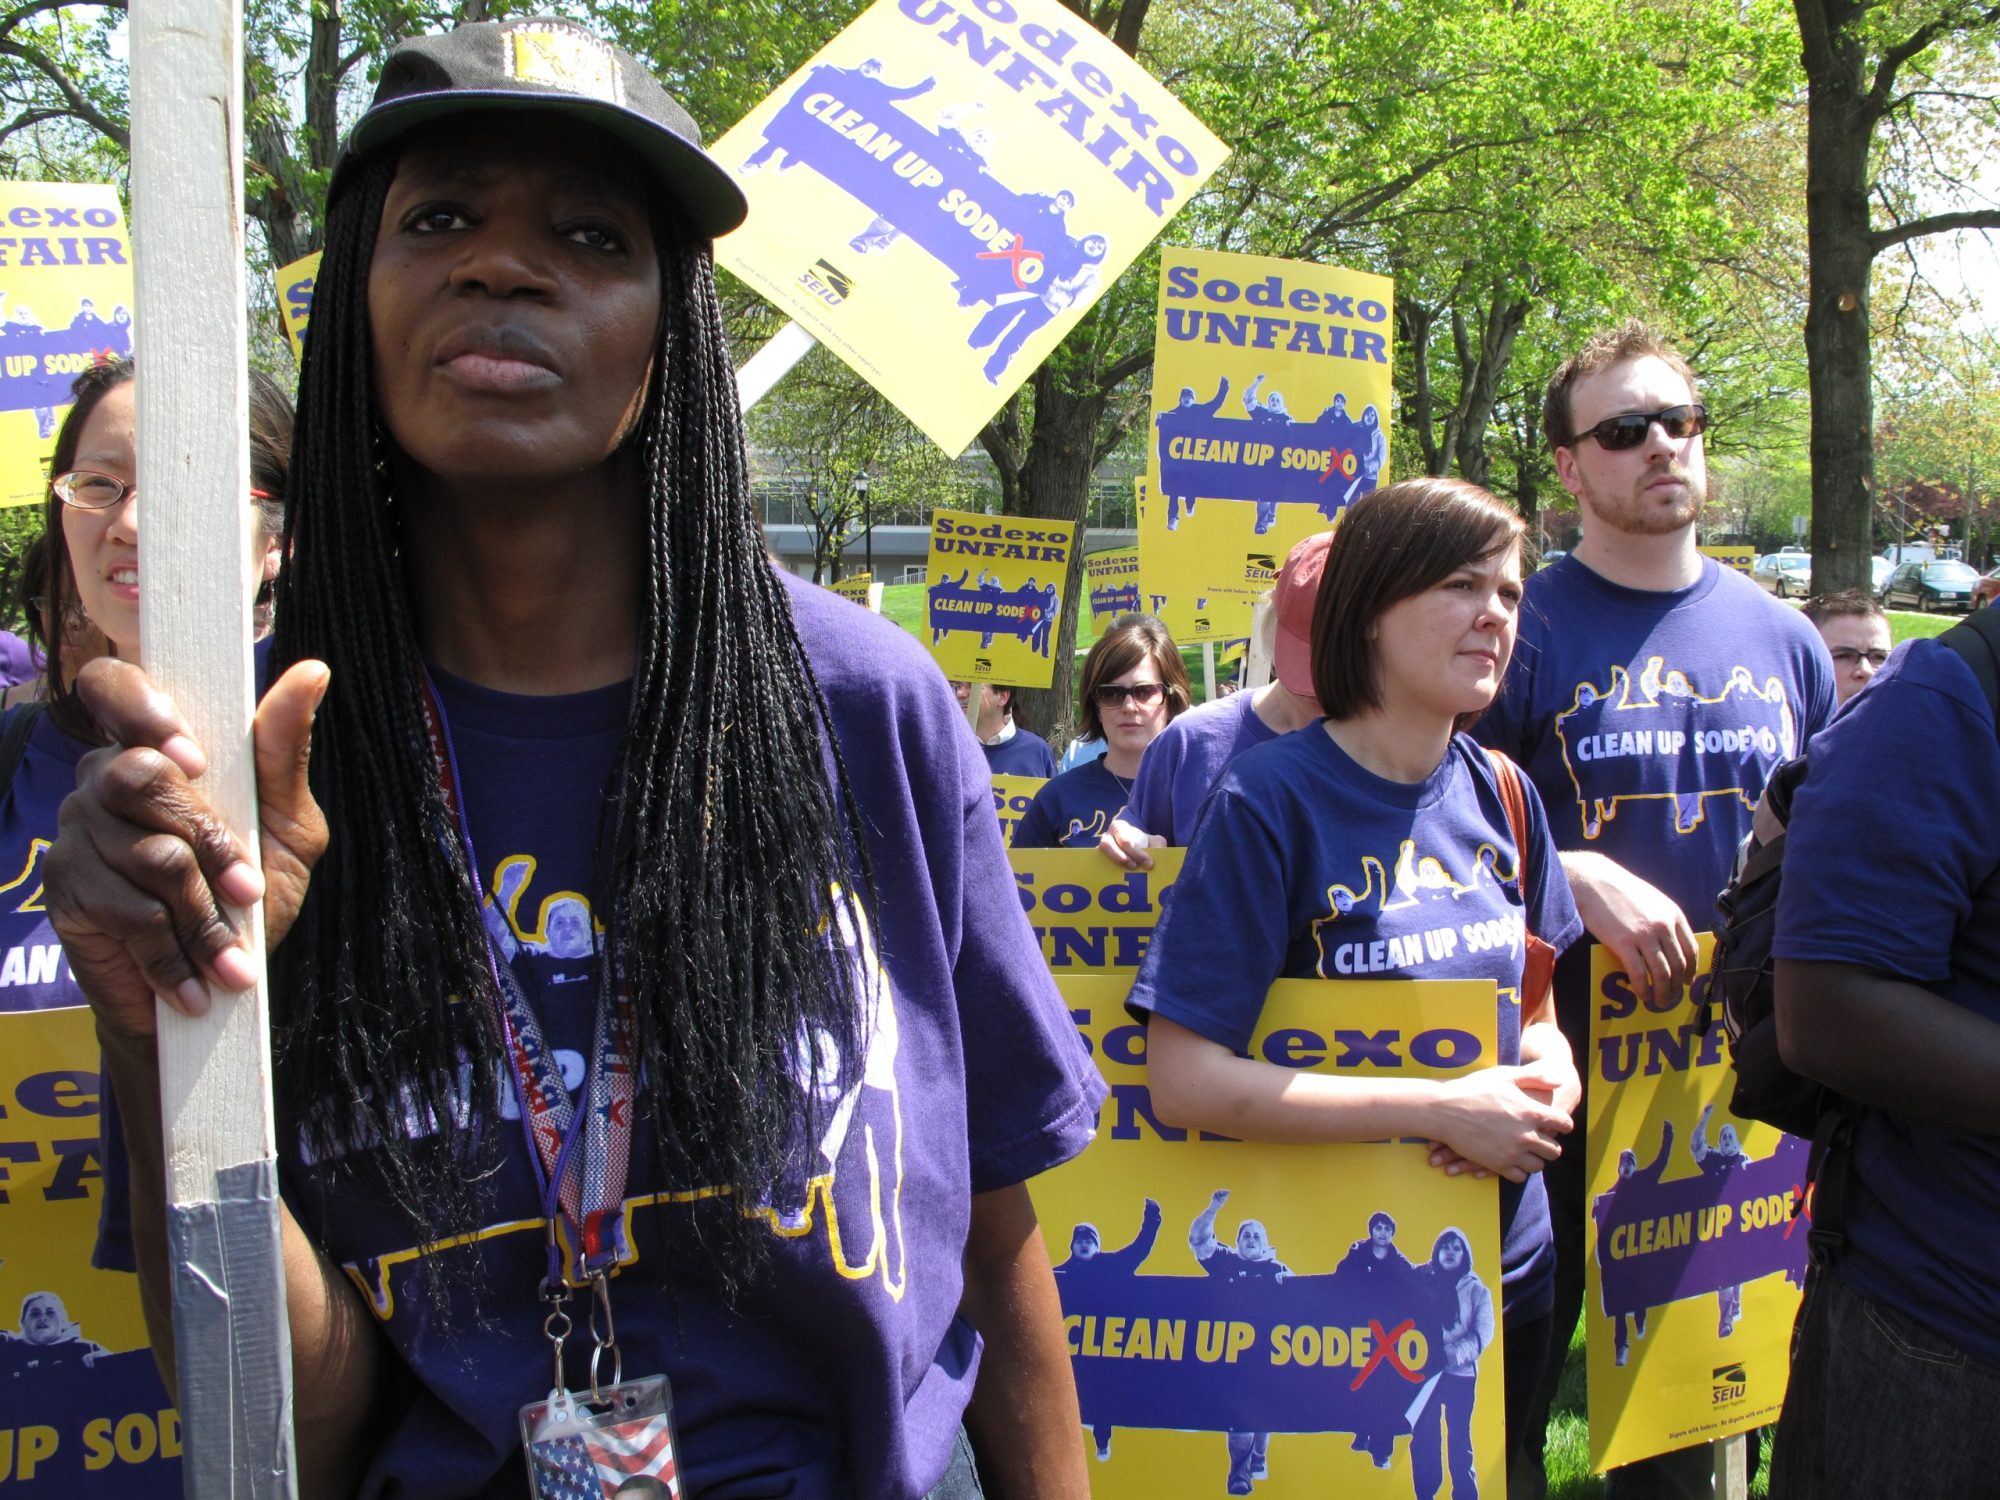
1071,270
1252,1258
1629,1171
1272,457
1027,613
1008,250
1040,636
39,362
1719,1160
1179,504
48,1339
1441,1416
1379,1261
1090,1265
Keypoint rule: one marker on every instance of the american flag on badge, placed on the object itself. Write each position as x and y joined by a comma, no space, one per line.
631,1461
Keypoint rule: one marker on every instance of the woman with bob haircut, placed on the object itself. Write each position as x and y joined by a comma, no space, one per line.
633,909
1317,852
1134,685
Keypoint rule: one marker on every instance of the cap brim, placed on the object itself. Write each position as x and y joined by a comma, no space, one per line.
709,196
1291,661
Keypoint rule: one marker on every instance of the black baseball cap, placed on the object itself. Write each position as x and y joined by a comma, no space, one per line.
547,64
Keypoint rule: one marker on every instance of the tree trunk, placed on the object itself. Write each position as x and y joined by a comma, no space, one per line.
1479,380
1052,483
1841,255
1414,322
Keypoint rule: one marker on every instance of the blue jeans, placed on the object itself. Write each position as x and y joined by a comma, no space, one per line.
961,1480
1880,1405
1447,1419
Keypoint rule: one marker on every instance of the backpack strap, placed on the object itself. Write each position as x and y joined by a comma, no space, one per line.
15,727
1977,639
1538,967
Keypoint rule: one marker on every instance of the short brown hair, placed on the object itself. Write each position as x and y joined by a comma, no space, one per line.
1603,349
1389,545
1129,641
1847,602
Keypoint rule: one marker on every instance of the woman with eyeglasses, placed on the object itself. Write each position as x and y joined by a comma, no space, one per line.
1334,852
1134,685
81,588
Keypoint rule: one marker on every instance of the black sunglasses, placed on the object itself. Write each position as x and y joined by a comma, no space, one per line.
1145,694
1615,434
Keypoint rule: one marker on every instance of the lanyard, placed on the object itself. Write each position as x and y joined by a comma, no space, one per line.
579,1155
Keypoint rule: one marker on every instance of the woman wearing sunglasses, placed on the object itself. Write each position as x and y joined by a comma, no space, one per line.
81,586
1134,685
1331,852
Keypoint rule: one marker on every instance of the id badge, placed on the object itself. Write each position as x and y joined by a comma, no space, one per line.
617,1447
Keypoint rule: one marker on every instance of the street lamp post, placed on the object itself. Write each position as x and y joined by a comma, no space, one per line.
867,524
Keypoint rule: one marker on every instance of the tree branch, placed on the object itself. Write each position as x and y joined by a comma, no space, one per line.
38,7
1914,229
79,107
1880,101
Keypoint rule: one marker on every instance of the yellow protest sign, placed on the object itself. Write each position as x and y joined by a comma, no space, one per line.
1091,916
1011,796
1739,558
1228,1315
1695,1262
944,189
65,305
1113,578
995,595
1270,415
85,1413
861,589
295,292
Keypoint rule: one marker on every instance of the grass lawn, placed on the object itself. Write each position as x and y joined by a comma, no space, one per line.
1907,626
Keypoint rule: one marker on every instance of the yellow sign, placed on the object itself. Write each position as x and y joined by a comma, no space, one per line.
85,1413
944,190
995,597
1114,585
1270,415
65,305
861,589
1091,916
1739,558
295,293
1011,796
1695,1259
1228,1314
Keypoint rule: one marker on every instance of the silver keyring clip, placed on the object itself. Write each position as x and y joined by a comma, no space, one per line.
604,1338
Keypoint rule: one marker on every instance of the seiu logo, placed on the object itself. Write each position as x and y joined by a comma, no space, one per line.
1201,622
1261,562
982,664
1731,1384
827,283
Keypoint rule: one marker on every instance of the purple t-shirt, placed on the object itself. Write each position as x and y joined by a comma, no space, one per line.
1892,862
1649,721
1025,753
1074,810
18,660
1308,866
843,1368
34,973
1184,761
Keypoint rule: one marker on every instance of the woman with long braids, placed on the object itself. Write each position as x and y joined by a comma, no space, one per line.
641,936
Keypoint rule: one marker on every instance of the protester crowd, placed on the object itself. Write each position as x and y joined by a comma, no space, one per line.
752,886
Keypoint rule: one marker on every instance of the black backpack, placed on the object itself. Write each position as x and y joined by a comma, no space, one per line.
1741,979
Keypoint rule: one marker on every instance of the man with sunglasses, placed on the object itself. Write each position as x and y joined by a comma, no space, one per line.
1652,692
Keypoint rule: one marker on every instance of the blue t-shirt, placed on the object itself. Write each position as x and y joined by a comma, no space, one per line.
1892,862
1649,721
1308,866
1074,810
34,973
1024,753
843,1368
1184,761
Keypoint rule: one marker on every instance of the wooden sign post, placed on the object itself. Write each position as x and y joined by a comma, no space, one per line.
233,1348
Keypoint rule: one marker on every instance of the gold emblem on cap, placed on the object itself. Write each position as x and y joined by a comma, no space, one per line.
561,57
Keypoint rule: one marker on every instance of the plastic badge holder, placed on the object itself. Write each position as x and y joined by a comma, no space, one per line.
619,1446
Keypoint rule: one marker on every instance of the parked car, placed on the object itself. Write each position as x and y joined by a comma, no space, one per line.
1986,590
1930,585
1786,574
1879,569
